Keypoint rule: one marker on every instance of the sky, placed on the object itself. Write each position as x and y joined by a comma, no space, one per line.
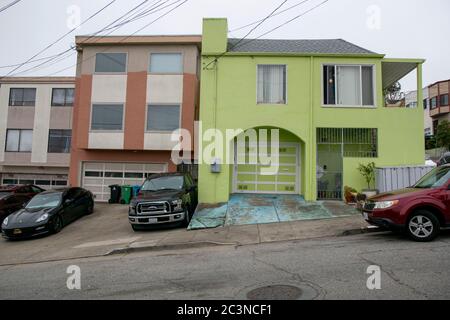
397,28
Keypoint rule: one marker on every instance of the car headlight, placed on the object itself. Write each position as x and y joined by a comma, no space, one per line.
42,218
385,204
5,222
132,209
177,204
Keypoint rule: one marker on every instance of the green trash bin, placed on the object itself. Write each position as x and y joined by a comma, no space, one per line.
125,194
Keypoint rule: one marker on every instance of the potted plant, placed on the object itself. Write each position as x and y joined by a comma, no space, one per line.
368,172
350,194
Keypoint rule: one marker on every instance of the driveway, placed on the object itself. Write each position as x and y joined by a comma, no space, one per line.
107,231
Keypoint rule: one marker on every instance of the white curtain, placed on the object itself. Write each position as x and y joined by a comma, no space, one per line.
271,84
349,85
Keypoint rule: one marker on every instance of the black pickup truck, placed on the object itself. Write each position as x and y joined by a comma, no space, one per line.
164,198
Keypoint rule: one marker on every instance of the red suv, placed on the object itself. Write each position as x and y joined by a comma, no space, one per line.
420,210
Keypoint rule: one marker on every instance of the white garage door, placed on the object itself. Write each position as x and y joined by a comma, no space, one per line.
248,177
98,176
45,181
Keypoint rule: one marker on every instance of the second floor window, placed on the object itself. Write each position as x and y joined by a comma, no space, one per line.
348,85
166,63
271,87
22,97
19,140
163,117
443,101
59,141
433,103
108,117
62,97
110,62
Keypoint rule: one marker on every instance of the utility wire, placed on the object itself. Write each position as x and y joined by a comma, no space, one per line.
260,23
274,15
285,23
61,54
9,5
240,40
123,39
270,31
59,39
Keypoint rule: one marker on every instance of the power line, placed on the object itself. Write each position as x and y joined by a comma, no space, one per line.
260,23
43,64
240,40
274,15
125,38
59,39
9,5
270,31
287,22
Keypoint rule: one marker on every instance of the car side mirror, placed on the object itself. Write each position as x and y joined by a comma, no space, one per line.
68,201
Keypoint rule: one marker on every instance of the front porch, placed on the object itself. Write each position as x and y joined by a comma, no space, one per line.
245,209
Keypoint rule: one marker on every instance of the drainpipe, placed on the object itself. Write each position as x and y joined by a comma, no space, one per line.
311,129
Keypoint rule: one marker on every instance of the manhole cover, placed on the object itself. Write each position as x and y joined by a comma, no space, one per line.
275,292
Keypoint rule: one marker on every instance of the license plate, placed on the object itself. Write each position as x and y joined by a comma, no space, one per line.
17,231
153,220
366,216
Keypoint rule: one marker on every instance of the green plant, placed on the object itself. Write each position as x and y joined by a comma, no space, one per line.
443,134
368,172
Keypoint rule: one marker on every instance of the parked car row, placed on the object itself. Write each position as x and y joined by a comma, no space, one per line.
27,211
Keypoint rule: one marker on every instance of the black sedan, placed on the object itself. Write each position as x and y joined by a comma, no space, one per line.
48,212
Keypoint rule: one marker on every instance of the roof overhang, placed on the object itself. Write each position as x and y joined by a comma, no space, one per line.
82,41
395,69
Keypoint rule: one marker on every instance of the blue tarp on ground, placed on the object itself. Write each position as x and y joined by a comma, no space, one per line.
244,209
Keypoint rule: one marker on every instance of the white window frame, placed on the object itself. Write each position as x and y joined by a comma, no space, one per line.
285,81
108,131
20,140
113,72
163,104
374,86
171,73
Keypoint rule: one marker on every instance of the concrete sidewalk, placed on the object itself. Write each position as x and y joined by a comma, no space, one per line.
107,231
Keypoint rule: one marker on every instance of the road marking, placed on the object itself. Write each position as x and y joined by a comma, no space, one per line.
106,242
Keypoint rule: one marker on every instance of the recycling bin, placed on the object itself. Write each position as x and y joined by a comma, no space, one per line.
115,191
125,194
136,189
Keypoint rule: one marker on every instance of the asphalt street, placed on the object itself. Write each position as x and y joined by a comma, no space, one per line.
326,268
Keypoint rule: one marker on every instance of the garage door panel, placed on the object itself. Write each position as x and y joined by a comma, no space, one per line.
98,176
259,178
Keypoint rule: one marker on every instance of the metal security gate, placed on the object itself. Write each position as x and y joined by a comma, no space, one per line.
248,177
333,144
98,176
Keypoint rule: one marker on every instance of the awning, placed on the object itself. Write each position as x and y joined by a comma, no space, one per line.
395,69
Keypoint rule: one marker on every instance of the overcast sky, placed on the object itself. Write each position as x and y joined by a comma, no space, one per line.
400,28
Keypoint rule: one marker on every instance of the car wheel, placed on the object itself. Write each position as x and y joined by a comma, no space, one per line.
90,208
423,226
187,218
57,224
135,228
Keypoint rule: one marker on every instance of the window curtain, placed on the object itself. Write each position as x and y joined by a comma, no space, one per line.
271,84
349,85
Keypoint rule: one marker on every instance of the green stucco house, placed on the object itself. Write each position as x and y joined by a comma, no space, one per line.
326,99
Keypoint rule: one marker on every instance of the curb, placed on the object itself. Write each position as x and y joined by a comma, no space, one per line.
362,230
174,246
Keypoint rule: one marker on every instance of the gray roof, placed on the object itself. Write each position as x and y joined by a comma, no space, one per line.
333,46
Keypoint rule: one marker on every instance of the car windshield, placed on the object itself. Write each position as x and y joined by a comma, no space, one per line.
50,200
163,183
435,178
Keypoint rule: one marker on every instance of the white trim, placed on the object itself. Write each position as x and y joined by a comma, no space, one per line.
285,81
374,86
